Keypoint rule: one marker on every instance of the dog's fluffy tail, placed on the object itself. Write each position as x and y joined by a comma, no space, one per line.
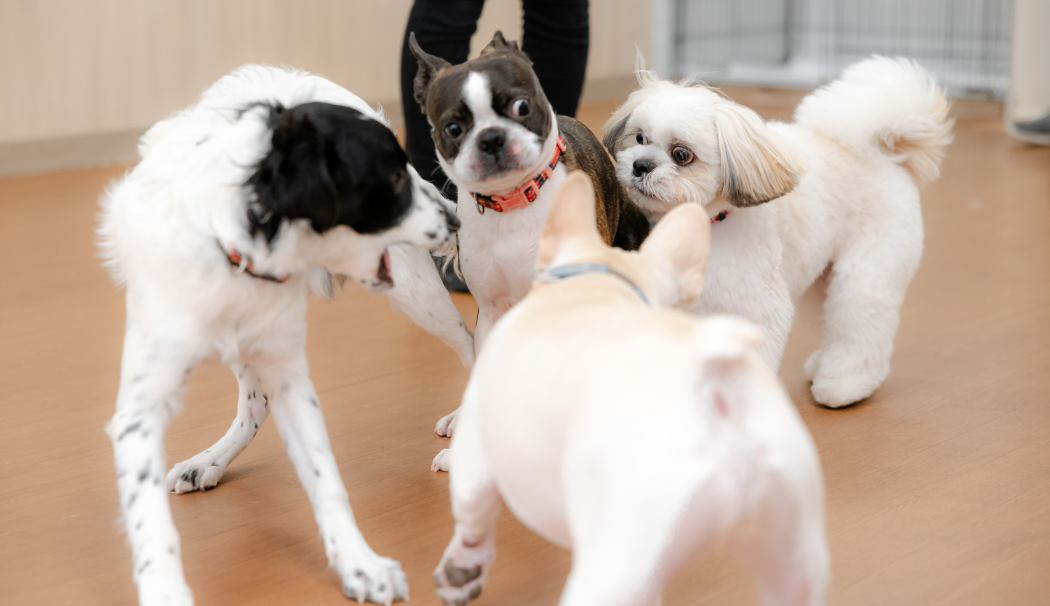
886,105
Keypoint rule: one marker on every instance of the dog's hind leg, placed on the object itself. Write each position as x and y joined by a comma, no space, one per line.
785,544
297,413
419,294
862,311
476,502
151,385
202,472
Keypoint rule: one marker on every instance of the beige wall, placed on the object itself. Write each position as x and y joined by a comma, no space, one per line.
84,67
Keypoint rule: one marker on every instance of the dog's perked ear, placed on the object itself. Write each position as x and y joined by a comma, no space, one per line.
429,67
499,43
330,165
758,165
678,247
571,217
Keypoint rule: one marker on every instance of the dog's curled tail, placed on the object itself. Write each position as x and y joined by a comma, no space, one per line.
886,105
724,345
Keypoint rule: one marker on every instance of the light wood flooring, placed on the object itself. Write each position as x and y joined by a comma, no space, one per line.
938,486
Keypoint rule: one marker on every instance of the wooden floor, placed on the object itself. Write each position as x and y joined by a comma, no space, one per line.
938,486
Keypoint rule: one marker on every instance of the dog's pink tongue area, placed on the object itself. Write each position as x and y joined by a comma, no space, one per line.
384,268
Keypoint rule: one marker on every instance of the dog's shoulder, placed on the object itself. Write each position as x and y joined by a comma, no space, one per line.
620,222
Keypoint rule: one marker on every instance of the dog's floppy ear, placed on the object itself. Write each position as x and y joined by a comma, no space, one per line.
758,165
678,246
429,67
571,217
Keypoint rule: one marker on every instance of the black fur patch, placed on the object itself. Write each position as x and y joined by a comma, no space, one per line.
330,165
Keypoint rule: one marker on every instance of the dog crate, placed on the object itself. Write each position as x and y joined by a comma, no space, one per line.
965,44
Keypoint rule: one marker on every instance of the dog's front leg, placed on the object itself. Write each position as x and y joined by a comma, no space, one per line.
476,502
151,385
419,294
297,412
202,472
487,317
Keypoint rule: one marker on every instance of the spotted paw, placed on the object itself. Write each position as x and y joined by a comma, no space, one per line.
447,423
461,575
376,579
193,474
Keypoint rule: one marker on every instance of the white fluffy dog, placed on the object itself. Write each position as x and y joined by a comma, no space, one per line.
837,187
634,434
274,182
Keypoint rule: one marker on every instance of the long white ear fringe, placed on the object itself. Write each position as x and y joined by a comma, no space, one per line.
726,338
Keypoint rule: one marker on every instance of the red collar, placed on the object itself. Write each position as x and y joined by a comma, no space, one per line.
244,265
719,217
524,194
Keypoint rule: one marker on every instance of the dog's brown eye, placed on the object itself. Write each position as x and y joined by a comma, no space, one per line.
640,139
453,130
520,108
682,156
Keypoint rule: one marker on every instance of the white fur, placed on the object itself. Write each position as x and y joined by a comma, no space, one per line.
635,436
497,251
843,183
160,231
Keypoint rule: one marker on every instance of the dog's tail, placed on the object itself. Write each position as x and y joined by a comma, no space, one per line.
884,105
725,346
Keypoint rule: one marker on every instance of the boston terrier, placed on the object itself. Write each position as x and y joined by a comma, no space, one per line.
499,140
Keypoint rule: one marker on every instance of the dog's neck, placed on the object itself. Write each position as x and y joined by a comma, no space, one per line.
571,270
526,193
718,209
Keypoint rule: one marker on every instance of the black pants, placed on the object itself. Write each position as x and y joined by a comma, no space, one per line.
556,39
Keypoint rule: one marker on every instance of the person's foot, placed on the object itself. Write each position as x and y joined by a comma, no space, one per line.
1036,131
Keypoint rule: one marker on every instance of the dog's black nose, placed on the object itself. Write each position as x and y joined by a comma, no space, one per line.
491,140
643,166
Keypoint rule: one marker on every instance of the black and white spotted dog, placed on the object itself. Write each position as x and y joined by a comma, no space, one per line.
273,183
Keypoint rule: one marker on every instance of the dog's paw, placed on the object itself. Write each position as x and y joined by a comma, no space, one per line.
374,578
197,473
447,423
461,575
841,390
441,461
812,366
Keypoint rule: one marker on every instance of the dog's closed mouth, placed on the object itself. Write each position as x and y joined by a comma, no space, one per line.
383,273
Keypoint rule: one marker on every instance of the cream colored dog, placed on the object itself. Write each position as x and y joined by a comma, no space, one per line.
634,434
837,187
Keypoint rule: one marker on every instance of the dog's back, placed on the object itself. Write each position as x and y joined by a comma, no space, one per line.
620,222
633,433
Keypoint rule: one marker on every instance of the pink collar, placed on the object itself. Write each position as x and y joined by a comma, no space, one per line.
524,194
244,265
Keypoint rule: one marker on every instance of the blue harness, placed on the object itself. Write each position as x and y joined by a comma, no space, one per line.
561,272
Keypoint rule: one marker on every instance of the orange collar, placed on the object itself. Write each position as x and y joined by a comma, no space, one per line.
524,194
244,265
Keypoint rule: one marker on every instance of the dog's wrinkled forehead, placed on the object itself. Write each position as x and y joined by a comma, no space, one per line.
452,95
